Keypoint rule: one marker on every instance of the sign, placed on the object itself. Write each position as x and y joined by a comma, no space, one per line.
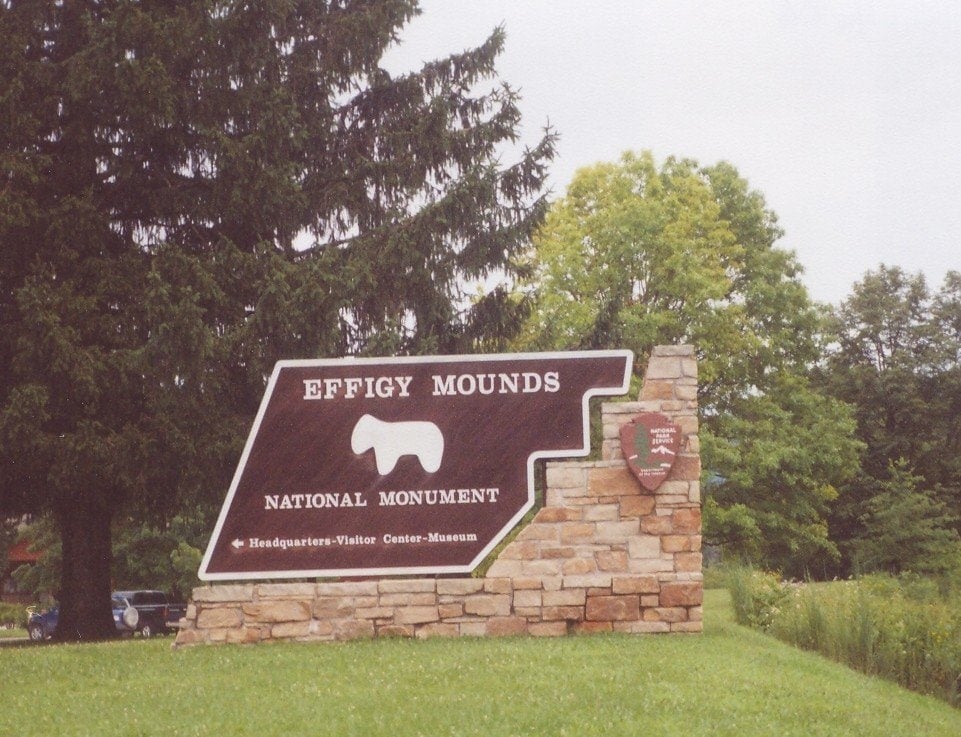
650,443
400,465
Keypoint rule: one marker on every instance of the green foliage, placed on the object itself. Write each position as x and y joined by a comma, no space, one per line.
12,615
757,597
193,191
780,458
900,629
894,354
905,529
146,556
636,255
41,579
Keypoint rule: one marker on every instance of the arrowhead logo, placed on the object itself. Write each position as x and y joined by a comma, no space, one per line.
650,443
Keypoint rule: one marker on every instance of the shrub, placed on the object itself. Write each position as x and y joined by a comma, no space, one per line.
12,615
757,597
903,629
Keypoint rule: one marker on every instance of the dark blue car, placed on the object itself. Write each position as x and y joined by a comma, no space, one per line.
42,625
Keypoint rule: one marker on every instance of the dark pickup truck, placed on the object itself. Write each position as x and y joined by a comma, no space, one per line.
155,613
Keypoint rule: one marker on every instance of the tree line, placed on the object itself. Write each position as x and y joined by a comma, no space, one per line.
193,191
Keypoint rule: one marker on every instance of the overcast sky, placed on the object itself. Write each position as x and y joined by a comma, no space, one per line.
846,115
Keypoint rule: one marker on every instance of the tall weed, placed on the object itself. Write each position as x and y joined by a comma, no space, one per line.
904,629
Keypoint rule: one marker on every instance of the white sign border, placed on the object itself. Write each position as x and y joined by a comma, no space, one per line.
584,450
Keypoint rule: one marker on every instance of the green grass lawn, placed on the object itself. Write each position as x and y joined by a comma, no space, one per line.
729,681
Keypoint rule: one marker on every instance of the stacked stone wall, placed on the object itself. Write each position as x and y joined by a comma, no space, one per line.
602,555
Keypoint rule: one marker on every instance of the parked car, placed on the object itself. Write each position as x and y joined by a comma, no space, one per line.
42,625
155,613
147,612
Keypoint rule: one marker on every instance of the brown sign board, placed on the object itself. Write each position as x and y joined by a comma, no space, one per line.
650,443
371,467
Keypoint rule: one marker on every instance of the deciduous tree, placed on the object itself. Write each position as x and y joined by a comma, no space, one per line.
637,254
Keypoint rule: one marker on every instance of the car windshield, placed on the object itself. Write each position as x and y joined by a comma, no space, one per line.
118,603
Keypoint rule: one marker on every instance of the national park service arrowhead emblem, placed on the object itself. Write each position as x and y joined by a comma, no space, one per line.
650,443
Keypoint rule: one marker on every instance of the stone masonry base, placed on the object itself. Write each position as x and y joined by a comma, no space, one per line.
602,555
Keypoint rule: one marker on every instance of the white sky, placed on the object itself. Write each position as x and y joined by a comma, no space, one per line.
846,115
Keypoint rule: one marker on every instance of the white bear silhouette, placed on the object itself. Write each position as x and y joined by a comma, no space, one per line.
391,440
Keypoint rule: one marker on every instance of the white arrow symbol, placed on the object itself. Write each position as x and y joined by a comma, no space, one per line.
237,543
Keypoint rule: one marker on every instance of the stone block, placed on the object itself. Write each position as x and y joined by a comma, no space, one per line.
437,629
407,586
558,514
527,583
612,608
569,613
375,612
417,615
687,627
663,367
687,521
395,630
590,580
657,524
190,637
506,626
612,561
616,533
641,627
543,533
528,598
498,586
665,614
637,505
686,468
579,567
601,513
506,568
347,588
450,611
553,553
302,591
682,594
573,533
611,481
635,585
521,550
659,389
565,597
688,562
547,629
560,476
223,594
288,630
354,629
281,610
459,586
592,628
652,565
244,635
676,543
219,617
487,605
644,547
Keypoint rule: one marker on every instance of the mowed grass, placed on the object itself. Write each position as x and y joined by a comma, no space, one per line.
729,681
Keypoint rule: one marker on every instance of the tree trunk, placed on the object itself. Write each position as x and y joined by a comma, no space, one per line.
85,612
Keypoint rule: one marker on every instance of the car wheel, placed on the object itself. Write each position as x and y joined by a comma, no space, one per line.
36,633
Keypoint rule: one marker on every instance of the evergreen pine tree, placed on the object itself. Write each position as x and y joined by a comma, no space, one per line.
193,190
